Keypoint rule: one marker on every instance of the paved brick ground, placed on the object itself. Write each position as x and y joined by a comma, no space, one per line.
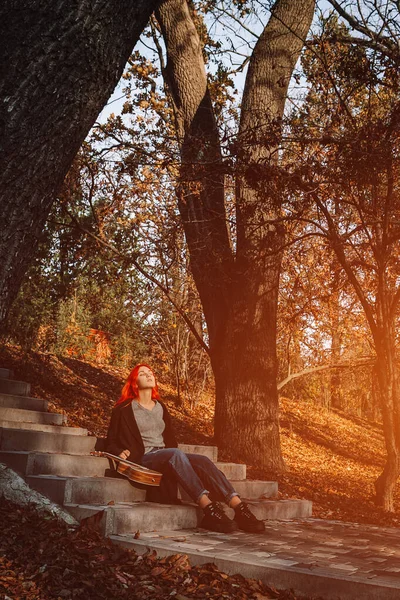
327,558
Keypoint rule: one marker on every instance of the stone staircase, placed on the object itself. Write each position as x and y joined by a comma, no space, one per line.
55,460
316,557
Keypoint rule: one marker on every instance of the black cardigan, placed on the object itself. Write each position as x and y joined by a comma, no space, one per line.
123,432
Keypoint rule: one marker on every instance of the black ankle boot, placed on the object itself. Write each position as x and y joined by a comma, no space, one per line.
246,520
216,520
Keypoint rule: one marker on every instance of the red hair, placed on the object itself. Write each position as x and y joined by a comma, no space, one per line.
130,389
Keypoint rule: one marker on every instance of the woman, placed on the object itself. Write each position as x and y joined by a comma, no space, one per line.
141,431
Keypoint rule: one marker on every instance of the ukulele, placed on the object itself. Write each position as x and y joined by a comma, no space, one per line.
132,471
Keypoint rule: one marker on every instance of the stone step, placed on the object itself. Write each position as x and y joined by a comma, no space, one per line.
31,416
279,510
86,490
57,429
232,470
23,402
248,489
6,373
210,451
140,516
64,465
69,464
18,388
102,490
42,441
123,518
17,461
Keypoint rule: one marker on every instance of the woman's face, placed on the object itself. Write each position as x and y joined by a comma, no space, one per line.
145,379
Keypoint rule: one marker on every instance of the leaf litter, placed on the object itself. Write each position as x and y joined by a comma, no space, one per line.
45,559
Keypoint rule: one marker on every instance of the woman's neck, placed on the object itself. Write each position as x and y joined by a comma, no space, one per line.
145,397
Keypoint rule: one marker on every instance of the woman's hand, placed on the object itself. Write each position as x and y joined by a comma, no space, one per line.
124,454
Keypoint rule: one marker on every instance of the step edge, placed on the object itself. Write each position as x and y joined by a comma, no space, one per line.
84,431
29,410
276,575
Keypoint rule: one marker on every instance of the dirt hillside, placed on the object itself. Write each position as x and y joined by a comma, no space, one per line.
332,459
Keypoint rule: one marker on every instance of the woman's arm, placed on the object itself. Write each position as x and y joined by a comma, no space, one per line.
113,443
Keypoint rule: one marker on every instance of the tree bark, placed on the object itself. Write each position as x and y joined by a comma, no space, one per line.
238,294
201,190
390,405
259,238
335,378
60,63
14,489
336,398
245,370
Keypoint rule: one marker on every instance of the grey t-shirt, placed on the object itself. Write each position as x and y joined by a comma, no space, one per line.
151,425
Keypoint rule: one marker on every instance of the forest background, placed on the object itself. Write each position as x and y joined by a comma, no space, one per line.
112,283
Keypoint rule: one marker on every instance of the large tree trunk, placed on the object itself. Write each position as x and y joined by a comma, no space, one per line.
239,295
390,403
245,368
60,63
260,239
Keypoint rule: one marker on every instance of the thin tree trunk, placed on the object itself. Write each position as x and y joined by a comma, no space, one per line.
374,405
60,63
336,399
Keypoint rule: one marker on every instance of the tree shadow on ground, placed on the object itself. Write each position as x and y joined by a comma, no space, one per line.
346,442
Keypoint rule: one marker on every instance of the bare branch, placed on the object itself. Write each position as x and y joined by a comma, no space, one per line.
384,43
337,246
348,364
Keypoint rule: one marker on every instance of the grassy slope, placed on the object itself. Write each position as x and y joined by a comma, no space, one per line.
331,458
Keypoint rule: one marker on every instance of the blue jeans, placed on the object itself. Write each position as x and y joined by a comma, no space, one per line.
194,472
